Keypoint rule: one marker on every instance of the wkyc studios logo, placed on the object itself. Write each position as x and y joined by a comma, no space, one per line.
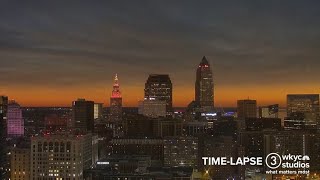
285,164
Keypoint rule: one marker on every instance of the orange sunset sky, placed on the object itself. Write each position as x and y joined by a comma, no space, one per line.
52,53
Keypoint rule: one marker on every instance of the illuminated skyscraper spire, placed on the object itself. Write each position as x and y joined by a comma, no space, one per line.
116,89
204,93
116,101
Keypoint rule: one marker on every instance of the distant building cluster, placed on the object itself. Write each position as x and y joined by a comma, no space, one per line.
155,140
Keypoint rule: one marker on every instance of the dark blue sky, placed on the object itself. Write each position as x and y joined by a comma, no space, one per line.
73,48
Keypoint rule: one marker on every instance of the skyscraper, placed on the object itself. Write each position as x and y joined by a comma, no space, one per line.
159,87
3,150
303,107
246,109
15,123
83,115
204,95
116,102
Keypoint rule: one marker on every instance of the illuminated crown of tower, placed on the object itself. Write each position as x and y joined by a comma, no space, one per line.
116,90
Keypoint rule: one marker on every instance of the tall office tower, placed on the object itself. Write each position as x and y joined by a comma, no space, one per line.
60,156
3,132
98,110
204,95
159,87
303,106
3,105
116,102
271,111
152,108
15,122
246,109
3,112
83,115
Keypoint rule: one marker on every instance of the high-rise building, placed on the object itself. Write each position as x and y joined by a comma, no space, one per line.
159,87
246,109
116,102
152,108
98,110
204,93
60,156
4,165
83,115
271,111
306,106
3,105
15,122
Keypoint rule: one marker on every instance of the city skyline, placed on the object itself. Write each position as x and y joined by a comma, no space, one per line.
51,58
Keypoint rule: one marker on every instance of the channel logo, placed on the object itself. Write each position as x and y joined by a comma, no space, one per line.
289,164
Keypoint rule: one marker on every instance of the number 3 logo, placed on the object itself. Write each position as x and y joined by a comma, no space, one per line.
272,158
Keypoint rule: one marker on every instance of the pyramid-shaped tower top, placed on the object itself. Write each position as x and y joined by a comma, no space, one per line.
204,62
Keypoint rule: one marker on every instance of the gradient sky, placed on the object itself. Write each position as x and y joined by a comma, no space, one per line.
54,52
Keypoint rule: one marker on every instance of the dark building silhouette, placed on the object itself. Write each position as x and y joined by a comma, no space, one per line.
159,87
204,95
246,108
259,124
138,146
138,126
116,102
4,165
141,126
83,115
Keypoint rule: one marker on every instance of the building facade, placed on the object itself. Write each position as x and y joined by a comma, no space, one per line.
303,106
180,151
152,108
83,115
4,165
246,109
15,122
98,110
271,111
60,156
20,163
159,87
